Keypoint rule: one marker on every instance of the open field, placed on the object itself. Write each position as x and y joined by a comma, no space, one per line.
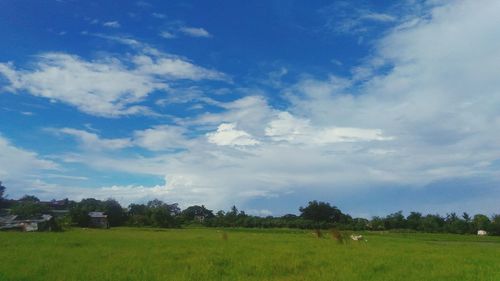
202,254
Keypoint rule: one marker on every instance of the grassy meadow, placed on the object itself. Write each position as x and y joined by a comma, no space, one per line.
246,254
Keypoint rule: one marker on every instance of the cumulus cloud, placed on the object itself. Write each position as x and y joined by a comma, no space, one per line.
112,24
431,116
380,17
157,138
161,138
92,141
227,134
249,112
174,68
167,34
346,17
296,130
235,163
195,32
437,100
175,30
159,15
18,164
423,113
104,87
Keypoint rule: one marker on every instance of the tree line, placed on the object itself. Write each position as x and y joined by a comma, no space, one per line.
315,215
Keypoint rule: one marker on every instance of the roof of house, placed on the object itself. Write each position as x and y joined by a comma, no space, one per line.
97,215
11,222
7,219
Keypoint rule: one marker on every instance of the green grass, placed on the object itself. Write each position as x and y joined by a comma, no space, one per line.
202,254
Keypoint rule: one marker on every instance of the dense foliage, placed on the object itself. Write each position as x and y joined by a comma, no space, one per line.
315,215
2,190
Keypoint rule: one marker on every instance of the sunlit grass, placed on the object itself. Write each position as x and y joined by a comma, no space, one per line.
211,254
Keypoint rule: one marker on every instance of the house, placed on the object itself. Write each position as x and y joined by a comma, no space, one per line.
98,220
56,204
7,219
482,232
42,223
199,218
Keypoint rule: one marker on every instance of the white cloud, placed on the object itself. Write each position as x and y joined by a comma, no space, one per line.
112,24
167,35
103,87
433,117
92,141
356,18
437,100
248,112
159,15
175,30
124,194
174,68
161,138
380,17
195,32
430,115
295,130
107,87
227,134
157,138
17,164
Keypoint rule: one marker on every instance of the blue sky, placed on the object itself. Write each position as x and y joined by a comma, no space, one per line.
374,106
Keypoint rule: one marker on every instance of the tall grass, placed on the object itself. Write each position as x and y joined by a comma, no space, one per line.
337,236
201,254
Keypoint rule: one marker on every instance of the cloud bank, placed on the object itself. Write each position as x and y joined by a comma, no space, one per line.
422,108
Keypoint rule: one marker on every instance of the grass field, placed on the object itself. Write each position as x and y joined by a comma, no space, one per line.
202,254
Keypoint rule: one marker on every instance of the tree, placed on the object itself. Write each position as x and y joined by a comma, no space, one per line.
231,215
197,211
320,212
454,224
155,203
466,217
233,212
360,224
481,222
162,214
345,219
414,221
432,223
395,221
29,206
377,223
29,198
495,225
137,215
137,209
289,217
79,212
29,209
174,209
2,190
116,215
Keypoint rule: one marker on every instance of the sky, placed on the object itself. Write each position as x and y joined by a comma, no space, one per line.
373,106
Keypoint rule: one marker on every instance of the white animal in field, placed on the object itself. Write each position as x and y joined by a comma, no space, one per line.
482,232
357,237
